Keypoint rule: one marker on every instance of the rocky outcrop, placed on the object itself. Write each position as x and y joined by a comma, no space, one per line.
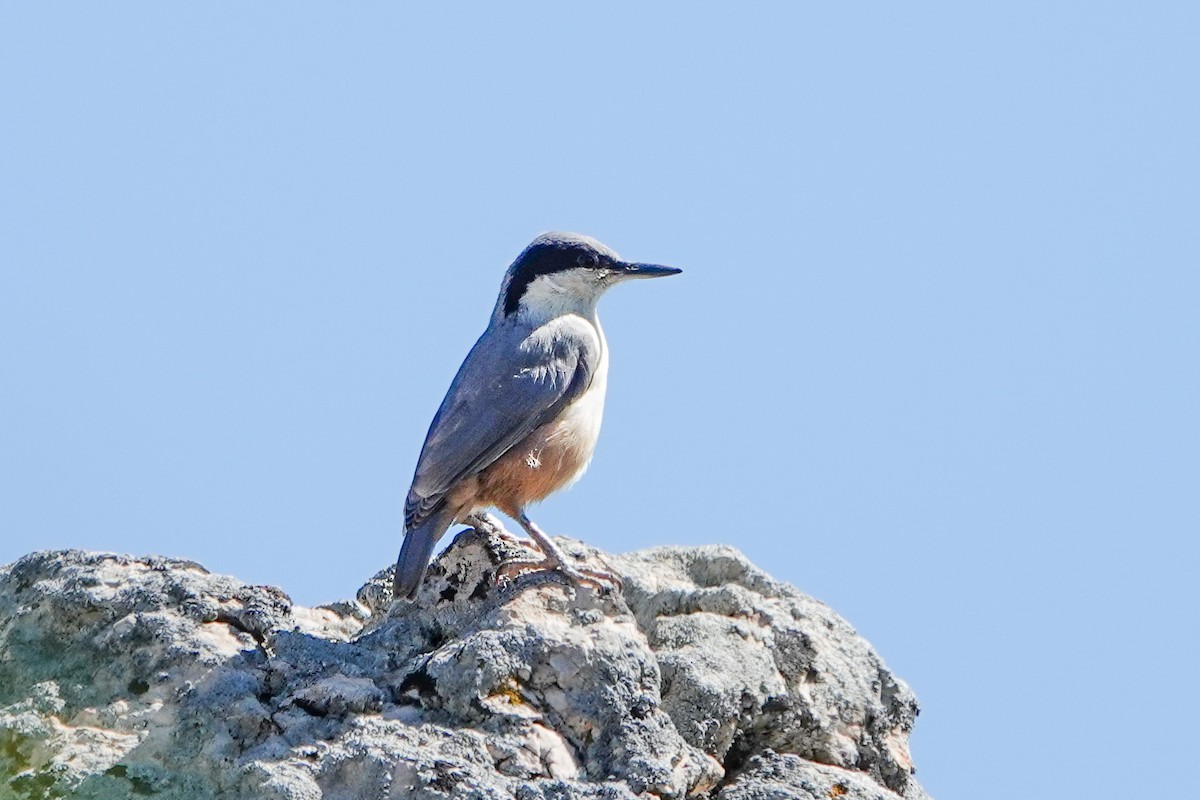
703,677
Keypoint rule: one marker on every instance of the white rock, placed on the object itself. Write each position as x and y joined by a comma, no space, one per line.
124,676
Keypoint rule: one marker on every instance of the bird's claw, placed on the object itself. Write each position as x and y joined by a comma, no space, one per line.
597,579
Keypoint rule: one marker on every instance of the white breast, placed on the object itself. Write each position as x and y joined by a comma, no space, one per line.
578,429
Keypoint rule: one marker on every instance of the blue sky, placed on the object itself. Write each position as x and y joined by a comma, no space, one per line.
933,357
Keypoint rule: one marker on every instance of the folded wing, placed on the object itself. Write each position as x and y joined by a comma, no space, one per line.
511,383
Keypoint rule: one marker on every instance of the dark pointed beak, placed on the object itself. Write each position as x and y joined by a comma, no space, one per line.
631,270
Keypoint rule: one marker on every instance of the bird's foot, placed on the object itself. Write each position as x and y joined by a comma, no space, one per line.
601,580
490,525
516,541
555,561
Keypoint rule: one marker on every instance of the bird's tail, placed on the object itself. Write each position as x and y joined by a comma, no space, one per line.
415,552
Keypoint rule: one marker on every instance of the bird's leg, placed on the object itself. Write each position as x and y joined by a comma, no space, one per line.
555,560
490,525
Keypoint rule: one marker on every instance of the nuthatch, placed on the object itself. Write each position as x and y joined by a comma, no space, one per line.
523,414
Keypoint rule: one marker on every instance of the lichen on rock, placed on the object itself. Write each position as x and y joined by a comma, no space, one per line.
703,677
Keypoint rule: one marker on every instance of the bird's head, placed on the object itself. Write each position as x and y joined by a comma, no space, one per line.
563,273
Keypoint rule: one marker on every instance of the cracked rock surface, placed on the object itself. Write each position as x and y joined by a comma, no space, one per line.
703,677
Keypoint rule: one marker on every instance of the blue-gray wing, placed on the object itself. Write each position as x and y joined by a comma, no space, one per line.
511,383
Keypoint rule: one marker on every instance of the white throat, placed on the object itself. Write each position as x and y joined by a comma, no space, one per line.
571,292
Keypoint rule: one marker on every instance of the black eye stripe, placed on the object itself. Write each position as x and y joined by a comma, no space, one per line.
545,258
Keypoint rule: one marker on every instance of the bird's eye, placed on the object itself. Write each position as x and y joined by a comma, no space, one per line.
587,260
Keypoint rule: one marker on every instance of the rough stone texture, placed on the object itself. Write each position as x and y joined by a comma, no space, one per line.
151,677
772,776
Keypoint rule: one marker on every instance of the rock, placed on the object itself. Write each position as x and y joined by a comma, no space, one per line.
703,677
771,776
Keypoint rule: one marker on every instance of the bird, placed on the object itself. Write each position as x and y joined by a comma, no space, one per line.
522,416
